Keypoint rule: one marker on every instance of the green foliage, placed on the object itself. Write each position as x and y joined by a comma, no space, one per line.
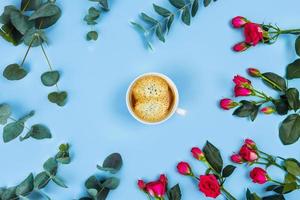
99,188
293,70
160,27
33,184
91,18
213,157
63,156
289,131
174,193
15,128
247,109
50,78
14,72
59,98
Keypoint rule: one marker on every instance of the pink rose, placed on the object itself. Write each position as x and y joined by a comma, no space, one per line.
250,143
241,91
184,169
227,104
242,46
236,158
253,33
141,184
210,186
259,175
241,81
239,21
197,153
248,154
254,72
155,189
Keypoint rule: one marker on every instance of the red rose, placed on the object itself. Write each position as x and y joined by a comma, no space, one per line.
254,72
239,22
155,189
241,91
248,154
227,104
259,175
241,81
197,153
242,46
184,168
250,143
236,158
253,33
210,186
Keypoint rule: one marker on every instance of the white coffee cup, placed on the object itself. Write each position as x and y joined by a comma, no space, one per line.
175,108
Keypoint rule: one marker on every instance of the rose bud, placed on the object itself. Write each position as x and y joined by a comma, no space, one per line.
227,104
253,33
141,184
248,154
239,21
197,153
241,81
184,169
241,92
267,110
254,72
259,175
236,158
242,46
250,143
209,186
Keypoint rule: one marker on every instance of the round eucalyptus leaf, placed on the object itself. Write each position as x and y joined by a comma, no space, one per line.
20,21
34,37
50,78
112,163
5,112
40,132
46,10
92,183
41,180
12,130
92,35
50,166
59,98
59,182
111,183
5,17
9,193
46,22
30,5
25,186
14,72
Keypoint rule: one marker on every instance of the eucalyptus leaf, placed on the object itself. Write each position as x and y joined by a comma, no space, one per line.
195,7
104,4
174,193
9,193
59,182
30,5
177,3
213,157
59,98
5,112
149,19
26,186
289,131
207,2
293,70
297,45
14,72
159,33
274,81
38,132
111,183
93,192
12,131
20,21
34,37
50,166
92,35
50,78
170,22
93,183
162,11
186,16
112,163
46,10
138,27
46,22
41,180
5,17
11,34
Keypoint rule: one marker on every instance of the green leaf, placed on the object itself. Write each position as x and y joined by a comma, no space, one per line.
213,157
41,180
111,183
207,2
177,3
138,27
103,194
14,72
92,35
174,193
59,182
11,34
195,7
5,17
50,78
162,11
290,178
228,170
59,98
186,16
93,192
38,132
252,196
289,131
12,131
50,166
46,22
297,45
30,5
25,187
274,197
281,105
292,166
292,95
293,70
112,163
289,187
247,109
159,33
21,22
5,112
46,10
93,183
149,19
34,37
103,3
274,81
170,22
9,193
63,155
94,13
27,116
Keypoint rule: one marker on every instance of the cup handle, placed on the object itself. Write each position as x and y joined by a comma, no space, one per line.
181,111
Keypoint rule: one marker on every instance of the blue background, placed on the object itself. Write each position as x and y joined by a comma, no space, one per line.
96,75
